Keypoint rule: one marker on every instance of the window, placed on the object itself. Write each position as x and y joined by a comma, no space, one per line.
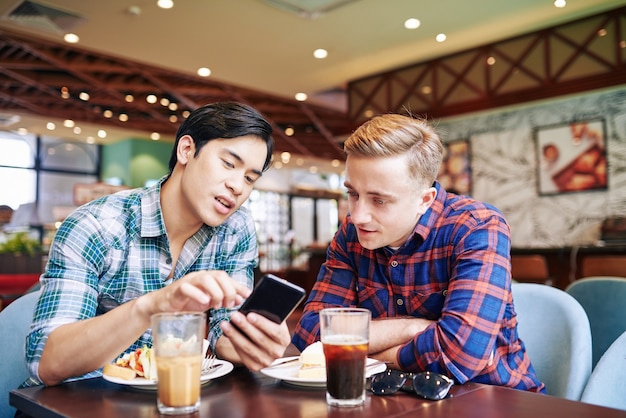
42,170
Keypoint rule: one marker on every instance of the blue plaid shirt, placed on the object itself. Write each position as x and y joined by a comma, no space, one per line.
455,270
115,249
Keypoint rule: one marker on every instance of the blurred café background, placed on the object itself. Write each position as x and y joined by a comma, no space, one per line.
529,98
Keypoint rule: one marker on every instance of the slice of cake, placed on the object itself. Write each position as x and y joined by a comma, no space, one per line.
312,362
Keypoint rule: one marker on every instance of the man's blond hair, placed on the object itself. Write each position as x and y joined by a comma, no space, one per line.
392,134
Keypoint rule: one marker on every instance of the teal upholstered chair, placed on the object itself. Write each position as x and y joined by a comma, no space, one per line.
607,383
15,322
555,331
603,298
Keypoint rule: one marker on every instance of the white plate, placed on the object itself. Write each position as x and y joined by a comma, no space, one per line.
145,384
289,372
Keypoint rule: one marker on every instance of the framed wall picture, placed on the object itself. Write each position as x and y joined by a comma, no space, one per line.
571,157
455,172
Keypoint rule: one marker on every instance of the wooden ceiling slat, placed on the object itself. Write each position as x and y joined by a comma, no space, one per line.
45,67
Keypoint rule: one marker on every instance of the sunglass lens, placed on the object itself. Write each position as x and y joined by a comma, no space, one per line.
432,386
387,382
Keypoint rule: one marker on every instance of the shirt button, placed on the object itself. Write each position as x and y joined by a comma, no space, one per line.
168,260
400,302
445,292
394,263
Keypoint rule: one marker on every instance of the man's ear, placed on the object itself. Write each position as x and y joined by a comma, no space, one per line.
185,149
428,197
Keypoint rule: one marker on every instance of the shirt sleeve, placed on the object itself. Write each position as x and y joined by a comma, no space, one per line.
237,254
335,286
462,341
69,285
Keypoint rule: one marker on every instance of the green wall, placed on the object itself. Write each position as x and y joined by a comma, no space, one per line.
135,161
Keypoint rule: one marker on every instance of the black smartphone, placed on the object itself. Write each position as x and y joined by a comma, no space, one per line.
274,298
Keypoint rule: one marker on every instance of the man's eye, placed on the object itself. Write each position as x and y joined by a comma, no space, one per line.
250,180
228,164
379,201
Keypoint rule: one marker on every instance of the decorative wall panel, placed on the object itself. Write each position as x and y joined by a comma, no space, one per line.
504,168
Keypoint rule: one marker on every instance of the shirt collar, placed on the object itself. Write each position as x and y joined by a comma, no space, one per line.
429,218
152,224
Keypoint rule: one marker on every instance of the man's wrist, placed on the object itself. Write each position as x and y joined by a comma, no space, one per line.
142,308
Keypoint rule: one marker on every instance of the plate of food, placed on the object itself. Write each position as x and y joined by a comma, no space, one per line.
220,368
309,370
138,370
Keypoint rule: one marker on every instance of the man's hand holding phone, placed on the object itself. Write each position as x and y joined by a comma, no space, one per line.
260,338
274,298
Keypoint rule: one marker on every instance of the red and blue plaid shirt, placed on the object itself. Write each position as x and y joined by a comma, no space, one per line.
454,269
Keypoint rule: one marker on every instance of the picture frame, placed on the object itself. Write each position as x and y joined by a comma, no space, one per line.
571,157
455,172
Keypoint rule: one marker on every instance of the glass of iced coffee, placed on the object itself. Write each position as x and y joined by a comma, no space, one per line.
177,342
345,337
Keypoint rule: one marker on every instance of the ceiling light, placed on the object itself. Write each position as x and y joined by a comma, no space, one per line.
285,157
602,32
299,161
22,131
129,98
427,90
123,117
165,4
107,114
50,126
173,118
164,101
151,98
412,23
155,136
335,163
134,10
491,61
320,53
84,96
77,130
277,165
368,113
313,169
289,131
68,123
559,3
186,114
173,106
91,140
204,72
102,133
301,97
71,38
441,37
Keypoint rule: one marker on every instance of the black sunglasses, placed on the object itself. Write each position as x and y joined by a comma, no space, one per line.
428,385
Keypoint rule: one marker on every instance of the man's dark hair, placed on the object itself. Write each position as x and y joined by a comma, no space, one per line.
224,120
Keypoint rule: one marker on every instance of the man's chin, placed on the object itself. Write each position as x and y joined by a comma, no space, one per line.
368,243
216,220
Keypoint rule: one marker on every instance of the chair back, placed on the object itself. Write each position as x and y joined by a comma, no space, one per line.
603,265
603,300
607,383
556,334
15,322
530,268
